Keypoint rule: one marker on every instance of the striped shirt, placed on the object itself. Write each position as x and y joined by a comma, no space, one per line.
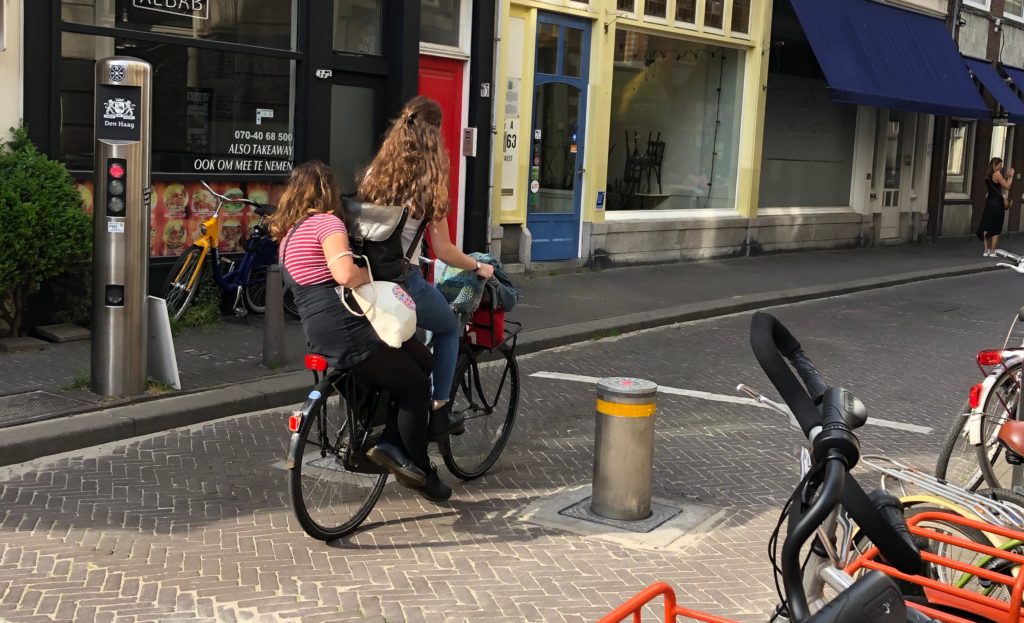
304,252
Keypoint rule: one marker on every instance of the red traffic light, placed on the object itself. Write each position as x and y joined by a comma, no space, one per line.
116,170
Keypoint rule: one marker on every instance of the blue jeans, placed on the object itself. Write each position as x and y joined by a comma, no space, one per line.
434,314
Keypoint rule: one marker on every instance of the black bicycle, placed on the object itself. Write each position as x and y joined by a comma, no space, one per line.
334,486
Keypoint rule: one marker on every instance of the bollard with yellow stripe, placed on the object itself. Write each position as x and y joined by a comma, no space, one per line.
624,448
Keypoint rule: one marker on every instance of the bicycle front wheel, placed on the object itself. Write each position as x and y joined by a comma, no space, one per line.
330,501
958,461
1001,405
486,394
183,282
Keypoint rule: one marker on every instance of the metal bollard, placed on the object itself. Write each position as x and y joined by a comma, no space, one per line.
624,449
273,320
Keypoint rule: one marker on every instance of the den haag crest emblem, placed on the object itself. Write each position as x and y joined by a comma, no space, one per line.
117,73
119,108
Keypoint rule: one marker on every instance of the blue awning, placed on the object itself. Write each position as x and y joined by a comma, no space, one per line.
1017,75
995,85
881,56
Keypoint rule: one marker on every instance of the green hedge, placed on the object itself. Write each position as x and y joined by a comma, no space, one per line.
44,232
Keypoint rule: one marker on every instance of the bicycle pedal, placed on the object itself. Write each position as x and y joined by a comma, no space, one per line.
241,312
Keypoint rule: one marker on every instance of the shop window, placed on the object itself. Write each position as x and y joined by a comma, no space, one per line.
357,26
686,11
439,22
269,23
626,5
213,111
547,48
714,13
958,164
675,121
808,144
741,16
655,8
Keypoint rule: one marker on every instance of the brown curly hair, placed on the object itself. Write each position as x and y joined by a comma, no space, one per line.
312,189
411,169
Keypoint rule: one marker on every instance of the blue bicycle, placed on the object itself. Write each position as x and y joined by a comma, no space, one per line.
245,278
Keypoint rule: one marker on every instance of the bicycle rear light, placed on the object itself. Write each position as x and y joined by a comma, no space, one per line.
990,357
974,399
294,421
316,363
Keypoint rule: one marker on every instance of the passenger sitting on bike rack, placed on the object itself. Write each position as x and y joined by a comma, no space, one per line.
411,171
315,259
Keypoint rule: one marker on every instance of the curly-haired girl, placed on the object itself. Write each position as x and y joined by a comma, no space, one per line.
315,258
411,170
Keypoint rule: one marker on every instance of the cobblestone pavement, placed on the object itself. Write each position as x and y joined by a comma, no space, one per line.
196,525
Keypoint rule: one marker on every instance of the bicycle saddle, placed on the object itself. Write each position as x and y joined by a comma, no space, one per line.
1011,434
263,209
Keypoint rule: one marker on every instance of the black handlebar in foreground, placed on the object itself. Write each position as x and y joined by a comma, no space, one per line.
836,446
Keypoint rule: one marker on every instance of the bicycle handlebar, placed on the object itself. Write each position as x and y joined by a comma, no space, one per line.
227,199
833,443
1010,256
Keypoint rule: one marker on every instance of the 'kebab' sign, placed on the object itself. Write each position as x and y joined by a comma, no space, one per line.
186,8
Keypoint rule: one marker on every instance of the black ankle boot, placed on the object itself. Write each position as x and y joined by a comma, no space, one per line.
443,422
435,489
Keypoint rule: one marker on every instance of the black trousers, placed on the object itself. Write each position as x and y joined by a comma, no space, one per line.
404,373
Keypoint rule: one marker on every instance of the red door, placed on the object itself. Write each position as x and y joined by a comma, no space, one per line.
441,80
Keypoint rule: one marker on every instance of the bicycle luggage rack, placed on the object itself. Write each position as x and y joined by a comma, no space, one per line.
937,593
941,594
991,511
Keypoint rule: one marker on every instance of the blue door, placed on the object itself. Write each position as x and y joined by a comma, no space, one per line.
559,124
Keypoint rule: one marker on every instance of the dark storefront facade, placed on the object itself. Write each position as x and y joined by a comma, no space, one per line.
242,90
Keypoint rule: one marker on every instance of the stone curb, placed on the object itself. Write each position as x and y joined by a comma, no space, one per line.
49,437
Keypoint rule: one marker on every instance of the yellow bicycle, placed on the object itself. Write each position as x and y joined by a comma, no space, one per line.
245,279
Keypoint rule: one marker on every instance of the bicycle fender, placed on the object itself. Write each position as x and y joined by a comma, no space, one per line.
978,414
293,443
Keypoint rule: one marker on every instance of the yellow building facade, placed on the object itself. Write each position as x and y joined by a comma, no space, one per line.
627,130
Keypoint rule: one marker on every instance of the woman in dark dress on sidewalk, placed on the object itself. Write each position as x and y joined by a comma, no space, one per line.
996,181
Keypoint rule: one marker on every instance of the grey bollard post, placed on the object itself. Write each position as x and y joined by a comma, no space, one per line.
273,320
624,449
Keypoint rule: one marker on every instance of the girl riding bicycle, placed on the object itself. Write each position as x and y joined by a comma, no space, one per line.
315,259
411,171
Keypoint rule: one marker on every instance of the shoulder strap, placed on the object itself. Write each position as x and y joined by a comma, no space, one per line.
416,240
287,239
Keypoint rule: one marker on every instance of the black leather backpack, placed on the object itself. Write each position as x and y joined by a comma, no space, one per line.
376,232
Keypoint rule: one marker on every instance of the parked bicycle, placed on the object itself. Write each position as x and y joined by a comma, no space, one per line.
334,487
971,454
244,278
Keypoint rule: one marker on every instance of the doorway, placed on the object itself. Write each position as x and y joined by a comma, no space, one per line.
554,198
441,81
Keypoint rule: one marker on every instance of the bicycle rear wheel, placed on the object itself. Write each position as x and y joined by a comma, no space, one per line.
958,461
487,395
1001,405
329,499
255,291
183,282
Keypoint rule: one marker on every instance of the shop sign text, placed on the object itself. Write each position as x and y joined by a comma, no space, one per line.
253,152
185,8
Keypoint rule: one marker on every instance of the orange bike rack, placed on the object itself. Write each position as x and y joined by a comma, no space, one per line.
937,593
635,607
